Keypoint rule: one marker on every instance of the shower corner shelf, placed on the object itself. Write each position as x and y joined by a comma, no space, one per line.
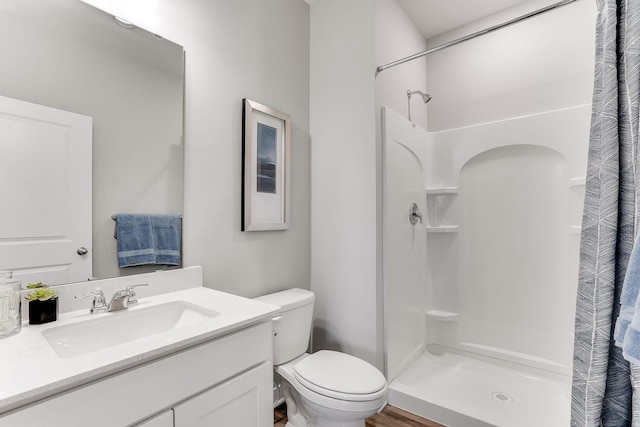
575,182
442,316
443,229
575,229
442,190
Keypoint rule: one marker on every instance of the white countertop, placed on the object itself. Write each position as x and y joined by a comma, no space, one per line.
30,369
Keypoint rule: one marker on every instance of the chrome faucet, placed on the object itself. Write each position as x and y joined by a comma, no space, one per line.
99,304
133,298
121,300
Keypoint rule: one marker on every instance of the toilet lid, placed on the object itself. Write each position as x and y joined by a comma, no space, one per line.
341,376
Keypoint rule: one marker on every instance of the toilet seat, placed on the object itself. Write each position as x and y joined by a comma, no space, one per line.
340,376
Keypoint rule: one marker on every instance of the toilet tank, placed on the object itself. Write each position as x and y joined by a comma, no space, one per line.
291,324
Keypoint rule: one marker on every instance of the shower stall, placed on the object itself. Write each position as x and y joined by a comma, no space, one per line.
481,224
480,296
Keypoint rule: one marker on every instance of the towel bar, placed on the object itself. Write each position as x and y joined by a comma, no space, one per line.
115,216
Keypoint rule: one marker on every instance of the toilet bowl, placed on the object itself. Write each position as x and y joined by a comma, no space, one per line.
335,389
326,388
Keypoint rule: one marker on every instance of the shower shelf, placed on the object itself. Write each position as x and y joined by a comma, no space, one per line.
442,316
575,182
442,190
575,229
443,229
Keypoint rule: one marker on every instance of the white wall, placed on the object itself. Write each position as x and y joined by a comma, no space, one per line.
343,228
348,41
236,49
542,64
397,37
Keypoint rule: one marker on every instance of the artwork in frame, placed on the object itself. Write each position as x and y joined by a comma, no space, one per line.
266,134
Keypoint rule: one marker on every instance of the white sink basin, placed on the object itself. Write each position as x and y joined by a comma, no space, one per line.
123,326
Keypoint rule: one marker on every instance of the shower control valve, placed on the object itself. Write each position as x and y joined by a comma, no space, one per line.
414,214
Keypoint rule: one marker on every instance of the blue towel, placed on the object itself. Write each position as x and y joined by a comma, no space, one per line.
631,344
148,239
167,234
627,330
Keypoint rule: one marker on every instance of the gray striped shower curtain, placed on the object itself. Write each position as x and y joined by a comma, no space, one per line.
605,386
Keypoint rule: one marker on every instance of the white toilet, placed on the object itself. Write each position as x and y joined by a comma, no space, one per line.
324,389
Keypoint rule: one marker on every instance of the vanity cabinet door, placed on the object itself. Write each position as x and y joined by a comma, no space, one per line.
165,419
245,400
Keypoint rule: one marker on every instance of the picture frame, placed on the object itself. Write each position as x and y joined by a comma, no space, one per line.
266,152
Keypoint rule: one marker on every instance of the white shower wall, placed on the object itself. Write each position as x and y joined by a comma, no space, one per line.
405,245
492,271
504,203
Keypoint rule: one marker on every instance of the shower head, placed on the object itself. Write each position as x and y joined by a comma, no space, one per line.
425,96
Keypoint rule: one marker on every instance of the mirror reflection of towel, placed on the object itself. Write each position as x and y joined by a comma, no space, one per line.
148,239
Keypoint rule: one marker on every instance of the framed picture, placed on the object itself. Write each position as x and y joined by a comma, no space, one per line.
266,151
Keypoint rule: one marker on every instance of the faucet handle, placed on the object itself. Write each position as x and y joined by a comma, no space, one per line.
99,304
133,299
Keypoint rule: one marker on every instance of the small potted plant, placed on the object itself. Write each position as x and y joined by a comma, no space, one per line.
43,304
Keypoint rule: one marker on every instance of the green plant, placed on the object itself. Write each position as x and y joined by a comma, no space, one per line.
36,285
41,293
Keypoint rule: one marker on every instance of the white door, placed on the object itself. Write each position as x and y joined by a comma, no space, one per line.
45,193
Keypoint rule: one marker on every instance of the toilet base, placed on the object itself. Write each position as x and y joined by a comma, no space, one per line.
353,420
303,413
300,421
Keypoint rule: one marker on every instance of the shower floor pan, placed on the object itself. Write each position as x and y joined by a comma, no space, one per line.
460,391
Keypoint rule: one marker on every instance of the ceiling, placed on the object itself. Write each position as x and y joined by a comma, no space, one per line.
433,17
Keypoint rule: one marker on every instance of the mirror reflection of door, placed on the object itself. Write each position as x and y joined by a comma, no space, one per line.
45,193
69,55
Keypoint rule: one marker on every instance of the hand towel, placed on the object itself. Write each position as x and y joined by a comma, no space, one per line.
135,240
629,295
148,239
167,234
631,344
627,329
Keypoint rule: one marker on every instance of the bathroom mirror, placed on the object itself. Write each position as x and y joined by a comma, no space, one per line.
71,56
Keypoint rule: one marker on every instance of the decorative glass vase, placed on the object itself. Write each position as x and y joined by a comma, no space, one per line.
10,320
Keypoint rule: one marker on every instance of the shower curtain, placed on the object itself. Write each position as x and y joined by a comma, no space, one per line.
605,386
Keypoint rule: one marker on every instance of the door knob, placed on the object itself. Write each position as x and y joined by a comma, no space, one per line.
82,250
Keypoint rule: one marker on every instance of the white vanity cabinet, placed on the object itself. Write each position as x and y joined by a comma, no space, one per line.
223,382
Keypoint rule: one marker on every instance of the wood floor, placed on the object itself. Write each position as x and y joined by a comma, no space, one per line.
395,417
389,417
280,416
